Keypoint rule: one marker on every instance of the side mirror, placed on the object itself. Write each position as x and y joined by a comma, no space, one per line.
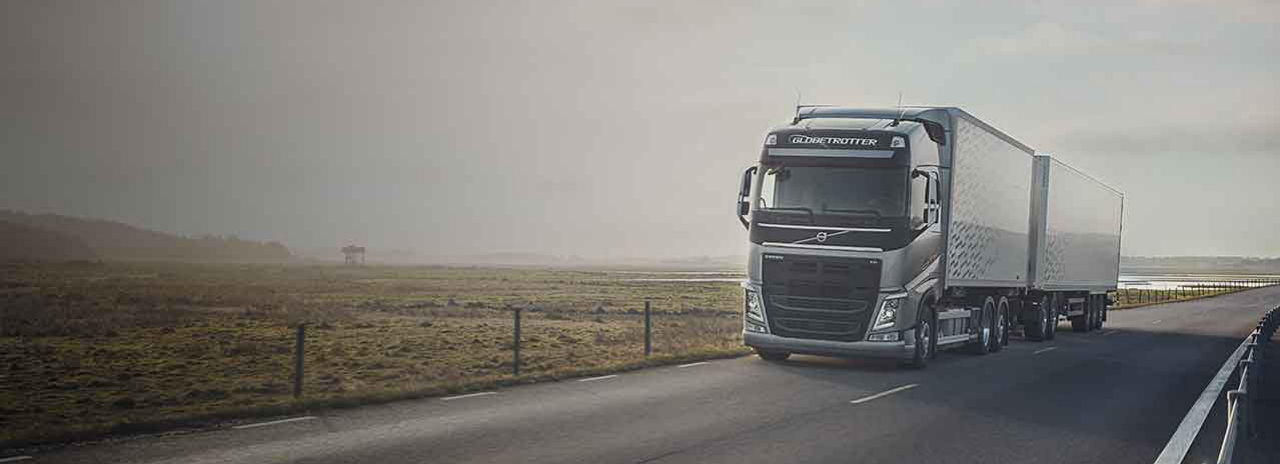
744,191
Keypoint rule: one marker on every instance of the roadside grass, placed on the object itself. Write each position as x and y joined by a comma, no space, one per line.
90,349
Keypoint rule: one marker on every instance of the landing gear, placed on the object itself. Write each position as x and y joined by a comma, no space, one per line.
1051,330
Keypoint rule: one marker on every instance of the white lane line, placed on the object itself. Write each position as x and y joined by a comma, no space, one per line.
1157,321
468,395
15,458
1042,350
1176,449
593,379
1109,332
274,422
702,363
885,393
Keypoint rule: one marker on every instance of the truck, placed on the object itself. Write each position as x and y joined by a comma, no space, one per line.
899,232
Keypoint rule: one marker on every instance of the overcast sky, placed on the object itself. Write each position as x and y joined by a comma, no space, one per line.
606,129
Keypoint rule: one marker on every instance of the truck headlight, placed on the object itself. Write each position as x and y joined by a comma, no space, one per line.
888,315
753,312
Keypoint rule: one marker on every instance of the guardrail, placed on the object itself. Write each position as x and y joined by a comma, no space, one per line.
1242,403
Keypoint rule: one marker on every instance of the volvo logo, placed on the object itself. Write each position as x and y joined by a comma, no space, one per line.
822,236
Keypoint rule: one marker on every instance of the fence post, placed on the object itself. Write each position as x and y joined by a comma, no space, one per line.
515,345
648,328
298,351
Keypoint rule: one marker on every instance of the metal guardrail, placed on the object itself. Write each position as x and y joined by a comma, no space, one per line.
1242,402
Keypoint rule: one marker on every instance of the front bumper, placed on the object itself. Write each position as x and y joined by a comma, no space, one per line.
893,350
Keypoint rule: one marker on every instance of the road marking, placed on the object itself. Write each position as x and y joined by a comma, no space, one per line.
468,395
274,422
702,363
1157,321
1109,332
885,393
1042,350
15,458
1176,449
593,379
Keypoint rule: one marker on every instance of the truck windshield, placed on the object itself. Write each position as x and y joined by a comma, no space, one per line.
872,192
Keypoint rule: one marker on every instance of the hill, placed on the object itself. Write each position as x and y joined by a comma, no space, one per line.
117,241
24,243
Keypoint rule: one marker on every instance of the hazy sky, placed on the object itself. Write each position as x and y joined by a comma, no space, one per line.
606,129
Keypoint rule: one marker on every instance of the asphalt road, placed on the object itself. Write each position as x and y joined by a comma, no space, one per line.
1110,396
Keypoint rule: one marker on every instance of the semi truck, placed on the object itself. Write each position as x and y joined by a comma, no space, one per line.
900,232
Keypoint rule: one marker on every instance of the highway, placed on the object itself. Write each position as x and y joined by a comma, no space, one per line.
1115,396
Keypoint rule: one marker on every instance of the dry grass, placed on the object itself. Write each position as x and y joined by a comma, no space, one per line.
94,347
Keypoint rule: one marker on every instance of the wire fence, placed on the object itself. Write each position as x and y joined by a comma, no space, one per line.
124,347
1141,294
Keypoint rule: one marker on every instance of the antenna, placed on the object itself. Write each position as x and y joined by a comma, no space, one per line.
901,111
797,103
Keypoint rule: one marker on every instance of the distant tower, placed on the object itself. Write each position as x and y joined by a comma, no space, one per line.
354,254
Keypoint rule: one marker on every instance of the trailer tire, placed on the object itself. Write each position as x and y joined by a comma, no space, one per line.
773,356
1099,305
1037,328
985,333
1000,329
1083,322
1051,330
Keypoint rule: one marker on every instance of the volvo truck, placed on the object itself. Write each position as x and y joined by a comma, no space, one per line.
900,232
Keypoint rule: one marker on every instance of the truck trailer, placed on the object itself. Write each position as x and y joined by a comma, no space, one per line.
898,232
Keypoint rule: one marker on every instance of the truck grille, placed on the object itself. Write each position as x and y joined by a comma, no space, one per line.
819,297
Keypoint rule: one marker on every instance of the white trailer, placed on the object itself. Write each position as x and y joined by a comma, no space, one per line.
1075,241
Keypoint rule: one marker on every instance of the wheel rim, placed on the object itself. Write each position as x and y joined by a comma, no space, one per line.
923,339
1000,333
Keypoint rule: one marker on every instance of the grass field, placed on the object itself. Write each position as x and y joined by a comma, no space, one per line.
90,348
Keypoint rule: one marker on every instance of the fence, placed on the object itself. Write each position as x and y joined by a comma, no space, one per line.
1137,295
1243,402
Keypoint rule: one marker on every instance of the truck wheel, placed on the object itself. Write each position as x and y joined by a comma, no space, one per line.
1099,305
926,335
1051,330
1082,322
773,356
1037,328
1000,332
985,333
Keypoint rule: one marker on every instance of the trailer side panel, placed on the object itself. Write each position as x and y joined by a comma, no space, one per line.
987,230
1080,246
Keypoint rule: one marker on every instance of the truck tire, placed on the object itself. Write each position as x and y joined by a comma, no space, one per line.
926,337
1099,305
985,333
1051,331
1082,322
1036,328
773,356
1000,330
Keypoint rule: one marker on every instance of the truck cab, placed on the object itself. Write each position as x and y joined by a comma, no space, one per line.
845,233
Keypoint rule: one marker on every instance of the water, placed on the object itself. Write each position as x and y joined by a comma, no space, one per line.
1128,281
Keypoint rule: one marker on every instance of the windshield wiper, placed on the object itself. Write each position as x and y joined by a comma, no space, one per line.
858,212
792,208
